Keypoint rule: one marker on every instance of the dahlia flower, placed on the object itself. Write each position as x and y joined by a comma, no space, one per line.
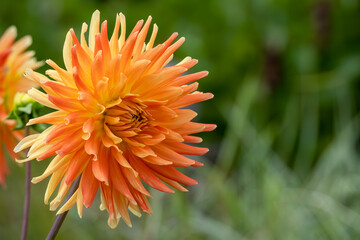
13,62
119,120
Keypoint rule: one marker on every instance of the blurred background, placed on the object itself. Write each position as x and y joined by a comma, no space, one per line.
284,161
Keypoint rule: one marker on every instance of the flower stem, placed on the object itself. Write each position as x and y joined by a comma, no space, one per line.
61,217
27,196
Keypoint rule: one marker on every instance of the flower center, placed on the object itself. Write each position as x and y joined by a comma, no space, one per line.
127,118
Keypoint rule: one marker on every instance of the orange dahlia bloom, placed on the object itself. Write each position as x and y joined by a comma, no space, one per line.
13,62
119,119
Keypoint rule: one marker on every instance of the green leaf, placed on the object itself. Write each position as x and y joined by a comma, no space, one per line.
27,109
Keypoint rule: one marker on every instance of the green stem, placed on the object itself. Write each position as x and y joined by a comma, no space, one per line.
27,196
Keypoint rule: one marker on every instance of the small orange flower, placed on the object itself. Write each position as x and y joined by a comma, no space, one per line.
120,119
13,62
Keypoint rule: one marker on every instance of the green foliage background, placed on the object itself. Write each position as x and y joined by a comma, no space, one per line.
284,160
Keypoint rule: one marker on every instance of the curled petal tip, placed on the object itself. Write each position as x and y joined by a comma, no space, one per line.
43,81
27,40
60,153
34,180
16,149
182,39
28,71
12,30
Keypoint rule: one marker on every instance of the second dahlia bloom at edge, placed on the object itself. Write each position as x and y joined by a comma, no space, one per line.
119,119
13,62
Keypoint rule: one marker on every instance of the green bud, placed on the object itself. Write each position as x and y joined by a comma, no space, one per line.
25,108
